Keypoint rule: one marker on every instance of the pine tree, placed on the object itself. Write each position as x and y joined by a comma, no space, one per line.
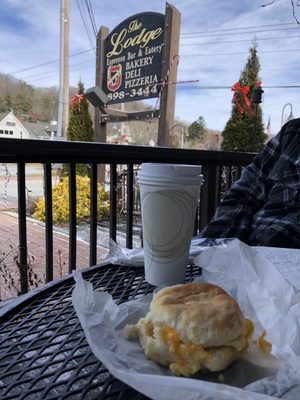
244,131
80,126
196,129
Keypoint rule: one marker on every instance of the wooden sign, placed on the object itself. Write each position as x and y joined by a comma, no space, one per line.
132,62
136,61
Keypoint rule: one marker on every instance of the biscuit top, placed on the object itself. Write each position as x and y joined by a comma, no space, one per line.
200,312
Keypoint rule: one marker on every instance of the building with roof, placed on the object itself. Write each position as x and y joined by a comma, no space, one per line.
12,127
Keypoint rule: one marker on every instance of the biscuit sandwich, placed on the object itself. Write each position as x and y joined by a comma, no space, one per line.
191,328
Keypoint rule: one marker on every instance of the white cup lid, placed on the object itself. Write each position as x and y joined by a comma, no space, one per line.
159,169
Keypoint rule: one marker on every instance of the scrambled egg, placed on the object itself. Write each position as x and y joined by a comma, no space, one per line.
190,357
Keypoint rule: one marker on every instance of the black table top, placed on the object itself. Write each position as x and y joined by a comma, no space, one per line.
43,350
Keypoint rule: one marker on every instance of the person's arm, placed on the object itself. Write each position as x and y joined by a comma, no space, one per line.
233,217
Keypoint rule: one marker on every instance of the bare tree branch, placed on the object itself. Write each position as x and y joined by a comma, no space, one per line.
294,12
293,8
267,4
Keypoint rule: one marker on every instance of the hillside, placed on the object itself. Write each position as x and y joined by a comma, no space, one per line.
28,102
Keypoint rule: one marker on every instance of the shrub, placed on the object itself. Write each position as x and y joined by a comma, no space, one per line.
60,199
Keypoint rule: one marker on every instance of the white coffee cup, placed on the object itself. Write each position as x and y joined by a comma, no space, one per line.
169,200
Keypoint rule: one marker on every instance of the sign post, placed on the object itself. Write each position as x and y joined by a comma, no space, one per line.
169,74
100,128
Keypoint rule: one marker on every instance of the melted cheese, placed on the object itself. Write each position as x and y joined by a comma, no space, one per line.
189,356
249,328
171,337
264,345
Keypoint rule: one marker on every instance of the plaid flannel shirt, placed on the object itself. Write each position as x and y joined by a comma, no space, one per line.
263,207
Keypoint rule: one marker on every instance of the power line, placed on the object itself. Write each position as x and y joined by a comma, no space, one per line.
91,15
55,99
93,48
229,87
55,70
51,99
241,40
84,23
182,55
233,70
49,62
237,53
239,33
237,29
182,70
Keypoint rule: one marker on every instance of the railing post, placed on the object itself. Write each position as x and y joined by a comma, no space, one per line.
113,202
209,193
49,221
129,206
93,215
23,254
72,217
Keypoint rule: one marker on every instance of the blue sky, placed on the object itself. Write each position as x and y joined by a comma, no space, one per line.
214,46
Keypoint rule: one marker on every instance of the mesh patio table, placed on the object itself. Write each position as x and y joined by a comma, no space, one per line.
43,350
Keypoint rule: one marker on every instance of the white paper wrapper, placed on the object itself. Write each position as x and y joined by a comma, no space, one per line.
265,297
135,257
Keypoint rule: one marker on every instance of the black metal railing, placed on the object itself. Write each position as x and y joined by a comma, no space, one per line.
219,168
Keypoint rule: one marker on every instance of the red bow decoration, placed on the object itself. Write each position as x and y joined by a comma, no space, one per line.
244,90
77,99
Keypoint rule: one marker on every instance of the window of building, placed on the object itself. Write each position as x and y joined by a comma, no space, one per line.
6,132
11,132
1,131
9,123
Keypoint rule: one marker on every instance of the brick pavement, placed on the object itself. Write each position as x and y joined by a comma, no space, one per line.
36,250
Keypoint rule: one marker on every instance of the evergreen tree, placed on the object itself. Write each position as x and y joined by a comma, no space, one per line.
8,102
22,104
244,131
196,129
80,126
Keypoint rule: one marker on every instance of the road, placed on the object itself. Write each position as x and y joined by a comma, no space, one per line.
8,184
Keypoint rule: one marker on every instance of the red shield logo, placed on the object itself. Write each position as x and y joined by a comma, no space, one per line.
114,77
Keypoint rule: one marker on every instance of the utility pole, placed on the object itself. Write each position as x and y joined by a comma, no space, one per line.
63,98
